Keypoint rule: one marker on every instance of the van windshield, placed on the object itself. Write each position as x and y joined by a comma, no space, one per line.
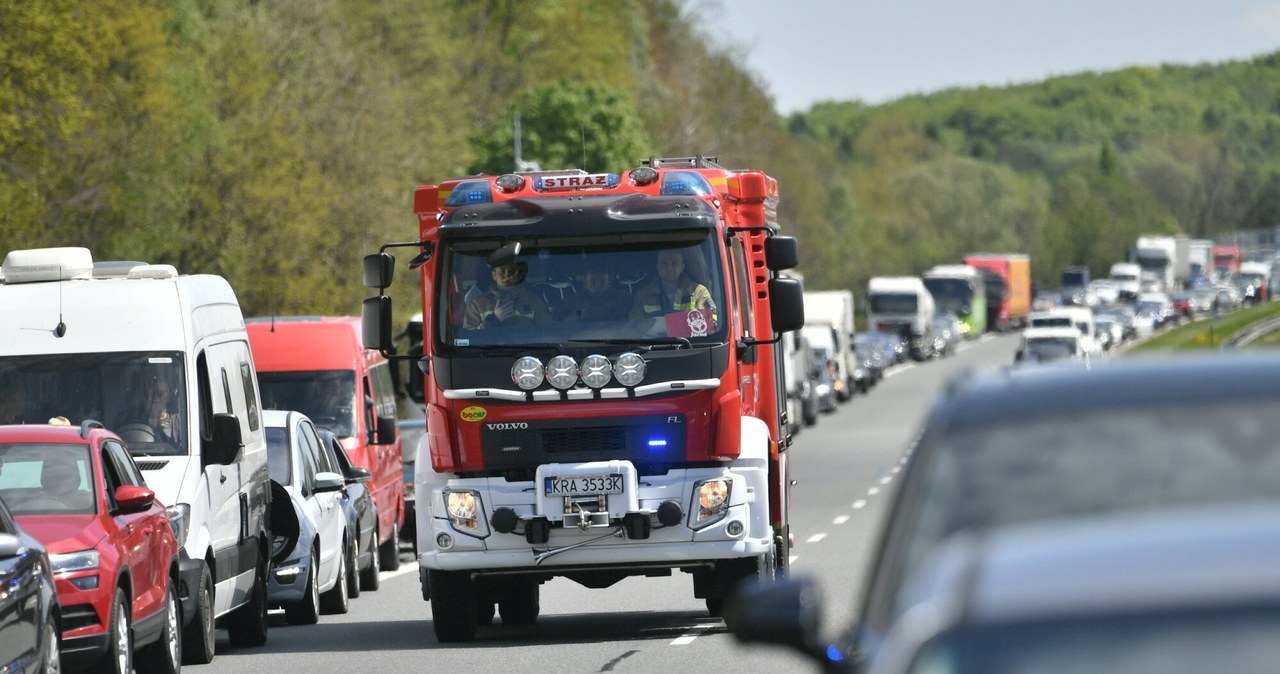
140,395
327,397
893,303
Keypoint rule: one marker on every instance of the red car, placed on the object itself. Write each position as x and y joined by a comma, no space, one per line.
113,551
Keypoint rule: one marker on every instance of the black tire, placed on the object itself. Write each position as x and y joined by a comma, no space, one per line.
165,655
390,550
453,606
119,656
51,663
197,638
335,600
306,611
369,580
353,574
247,627
518,603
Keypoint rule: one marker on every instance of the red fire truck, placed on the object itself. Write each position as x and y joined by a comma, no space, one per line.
603,383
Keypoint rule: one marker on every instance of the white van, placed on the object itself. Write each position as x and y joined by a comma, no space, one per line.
163,360
1080,318
902,305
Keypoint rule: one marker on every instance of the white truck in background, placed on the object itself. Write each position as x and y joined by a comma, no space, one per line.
1126,275
1200,258
834,309
1168,258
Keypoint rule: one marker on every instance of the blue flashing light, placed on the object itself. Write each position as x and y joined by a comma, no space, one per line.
684,184
470,192
657,442
834,654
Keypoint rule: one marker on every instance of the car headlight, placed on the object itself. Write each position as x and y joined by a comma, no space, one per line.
84,560
710,501
465,512
179,521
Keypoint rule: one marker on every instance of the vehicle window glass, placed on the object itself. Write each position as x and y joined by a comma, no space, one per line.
1105,461
112,478
279,458
47,479
226,392
126,468
311,448
250,397
743,278
308,456
141,395
325,396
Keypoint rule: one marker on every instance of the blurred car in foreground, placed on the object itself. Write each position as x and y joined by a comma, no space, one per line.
111,545
29,604
1130,435
1179,592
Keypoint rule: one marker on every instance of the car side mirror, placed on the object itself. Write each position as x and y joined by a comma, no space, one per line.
327,481
355,474
134,499
384,432
10,546
786,612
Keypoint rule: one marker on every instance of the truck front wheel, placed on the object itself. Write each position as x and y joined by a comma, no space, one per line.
518,602
453,605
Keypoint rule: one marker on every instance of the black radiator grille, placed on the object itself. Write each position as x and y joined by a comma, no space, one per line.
649,439
605,439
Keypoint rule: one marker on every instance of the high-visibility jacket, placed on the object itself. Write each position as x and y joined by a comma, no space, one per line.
652,301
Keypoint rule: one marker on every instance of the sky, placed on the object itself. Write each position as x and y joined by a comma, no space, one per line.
808,51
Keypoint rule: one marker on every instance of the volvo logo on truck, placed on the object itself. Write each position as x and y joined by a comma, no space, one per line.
508,426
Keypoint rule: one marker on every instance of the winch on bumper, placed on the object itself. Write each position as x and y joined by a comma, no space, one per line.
596,513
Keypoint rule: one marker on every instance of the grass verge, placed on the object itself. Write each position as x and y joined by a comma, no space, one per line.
1208,333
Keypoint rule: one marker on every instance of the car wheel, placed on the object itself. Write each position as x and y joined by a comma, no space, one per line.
353,575
248,625
119,656
197,639
52,661
165,655
453,605
390,550
306,611
369,579
335,600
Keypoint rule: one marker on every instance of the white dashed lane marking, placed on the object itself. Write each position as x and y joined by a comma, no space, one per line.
860,503
840,520
688,637
815,538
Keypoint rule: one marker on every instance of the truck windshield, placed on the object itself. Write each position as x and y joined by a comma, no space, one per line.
951,294
327,397
141,396
641,288
893,303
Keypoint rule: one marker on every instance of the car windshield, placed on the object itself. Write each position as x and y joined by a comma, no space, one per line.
326,396
1102,461
1228,641
51,479
664,287
893,303
1049,348
950,294
141,395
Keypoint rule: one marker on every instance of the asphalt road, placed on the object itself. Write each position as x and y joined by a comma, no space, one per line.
845,468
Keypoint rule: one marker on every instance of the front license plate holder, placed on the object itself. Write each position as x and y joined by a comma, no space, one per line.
583,485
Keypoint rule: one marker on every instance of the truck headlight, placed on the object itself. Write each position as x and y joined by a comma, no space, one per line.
527,373
562,372
710,501
628,369
595,371
466,512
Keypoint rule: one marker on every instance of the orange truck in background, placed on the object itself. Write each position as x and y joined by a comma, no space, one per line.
1008,277
318,366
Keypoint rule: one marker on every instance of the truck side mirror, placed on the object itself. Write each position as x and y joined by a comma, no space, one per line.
781,252
375,323
227,442
786,304
379,269
384,430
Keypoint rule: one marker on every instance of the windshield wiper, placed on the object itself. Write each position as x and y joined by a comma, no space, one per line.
642,343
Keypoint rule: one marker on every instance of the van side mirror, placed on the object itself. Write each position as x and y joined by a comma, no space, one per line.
375,323
384,431
781,252
227,442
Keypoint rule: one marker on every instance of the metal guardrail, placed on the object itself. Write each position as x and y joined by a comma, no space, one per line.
1251,332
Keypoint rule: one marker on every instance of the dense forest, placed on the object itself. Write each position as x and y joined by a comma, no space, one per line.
276,143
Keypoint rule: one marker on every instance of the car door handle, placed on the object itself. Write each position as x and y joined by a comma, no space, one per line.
222,479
